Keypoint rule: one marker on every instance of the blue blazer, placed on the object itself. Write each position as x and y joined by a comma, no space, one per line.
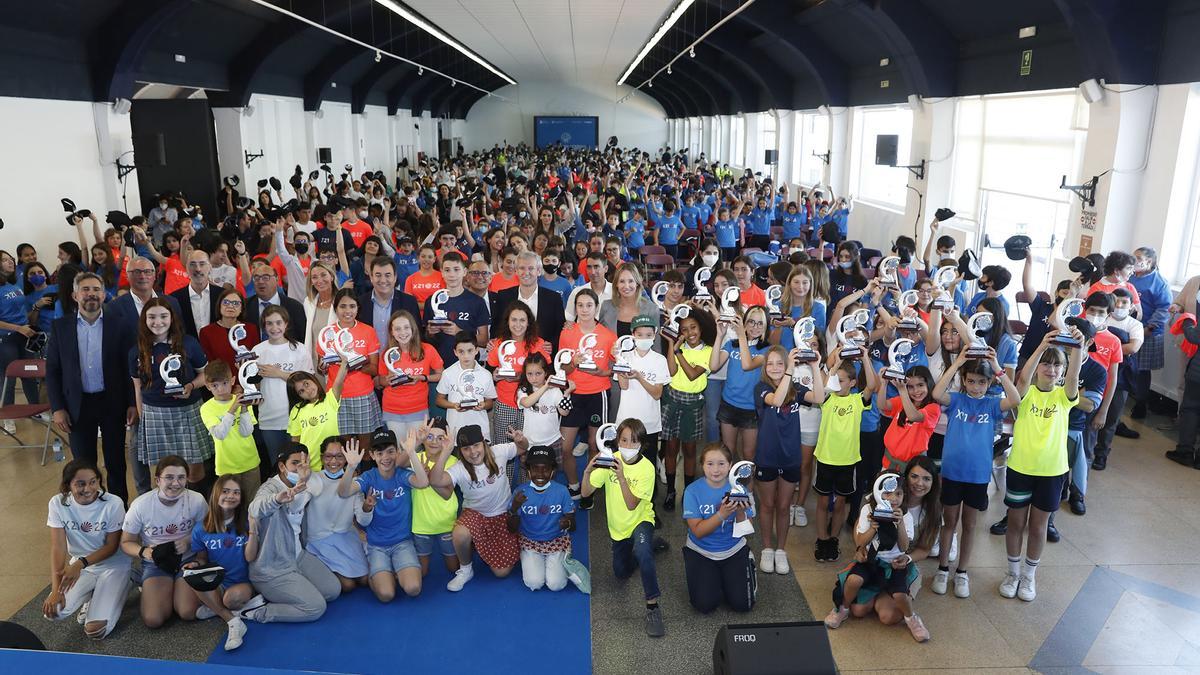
64,381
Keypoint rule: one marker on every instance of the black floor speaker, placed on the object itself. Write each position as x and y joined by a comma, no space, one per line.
797,648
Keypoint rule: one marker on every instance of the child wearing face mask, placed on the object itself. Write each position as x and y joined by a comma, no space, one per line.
542,514
329,529
629,507
1129,331
643,386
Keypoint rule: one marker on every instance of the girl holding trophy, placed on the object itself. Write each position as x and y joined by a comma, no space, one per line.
717,560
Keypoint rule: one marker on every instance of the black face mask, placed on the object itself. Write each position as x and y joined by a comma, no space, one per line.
301,247
550,269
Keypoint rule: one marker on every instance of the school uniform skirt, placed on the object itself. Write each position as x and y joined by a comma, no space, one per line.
1151,356
342,552
175,430
359,414
497,546
504,417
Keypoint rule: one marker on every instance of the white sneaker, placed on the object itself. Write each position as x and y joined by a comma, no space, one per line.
203,613
252,610
962,585
953,557
1027,589
940,581
81,617
461,577
766,563
237,630
579,450
781,562
1008,587
10,426
799,516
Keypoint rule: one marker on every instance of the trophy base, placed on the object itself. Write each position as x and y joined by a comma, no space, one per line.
589,368
509,376
850,352
558,382
701,297
250,399
1065,342
468,403
726,317
737,499
907,325
894,374
397,380
606,461
942,306
977,352
438,323
884,516
356,362
330,359
173,390
621,368
807,356
243,357
670,333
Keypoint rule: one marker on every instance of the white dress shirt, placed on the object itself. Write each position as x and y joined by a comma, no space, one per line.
201,310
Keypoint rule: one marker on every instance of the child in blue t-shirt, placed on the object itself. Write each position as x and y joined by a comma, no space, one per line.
793,221
225,537
690,214
668,229
967,456
542,513
550,278
728,232
716,557
387,509
634,231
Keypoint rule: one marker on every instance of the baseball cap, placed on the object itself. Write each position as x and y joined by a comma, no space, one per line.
540,454
469,435
382,437
642,321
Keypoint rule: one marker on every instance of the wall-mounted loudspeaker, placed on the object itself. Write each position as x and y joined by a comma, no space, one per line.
885,149
1090,90
324,155
771,157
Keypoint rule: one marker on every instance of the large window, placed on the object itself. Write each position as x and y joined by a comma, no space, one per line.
811,138
695,141
767,135
883,185
738,133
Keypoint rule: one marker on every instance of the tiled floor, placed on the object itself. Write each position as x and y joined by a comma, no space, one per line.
1139,540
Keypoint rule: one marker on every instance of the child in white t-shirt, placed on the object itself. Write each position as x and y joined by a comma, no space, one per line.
92,575
643,386
453,388
542,404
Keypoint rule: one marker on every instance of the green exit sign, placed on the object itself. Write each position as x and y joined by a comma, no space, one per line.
1026,62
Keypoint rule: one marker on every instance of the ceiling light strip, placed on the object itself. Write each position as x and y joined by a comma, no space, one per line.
347,38
433,30
658,35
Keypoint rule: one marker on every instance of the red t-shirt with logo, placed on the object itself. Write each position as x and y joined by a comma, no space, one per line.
506,390
421,286
358,382
501,282
359,231
753,296
587,383
406,399
1108,349
175,276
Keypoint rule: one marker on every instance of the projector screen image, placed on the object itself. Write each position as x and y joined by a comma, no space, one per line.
575,132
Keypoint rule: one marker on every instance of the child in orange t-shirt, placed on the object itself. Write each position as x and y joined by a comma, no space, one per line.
427,280
914,415
359,413
406,403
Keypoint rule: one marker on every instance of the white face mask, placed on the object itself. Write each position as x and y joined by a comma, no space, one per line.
710,260
293,477
1120,313
630,455
541,488
331,476
1100,322
162,205
643,344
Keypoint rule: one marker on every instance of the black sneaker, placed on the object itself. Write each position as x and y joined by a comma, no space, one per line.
1139,411
654,622
1182,457
820,551
1000,526
1052,534
586,503
659,545
669,501
1075,501
834,551
1100,463
1125,432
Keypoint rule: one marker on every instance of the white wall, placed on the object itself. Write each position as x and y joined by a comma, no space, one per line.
56,149
638,122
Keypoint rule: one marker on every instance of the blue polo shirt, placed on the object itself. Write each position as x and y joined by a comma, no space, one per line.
12,306
690,215
792,222
760,220
559,285
635,233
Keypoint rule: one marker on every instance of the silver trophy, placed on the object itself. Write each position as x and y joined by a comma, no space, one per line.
467,398
852,344
250,393
606,440
774,296
391,361
625,344
701,277
327,339
728,301
561,359
908,310
888,482
896,352
977,325
670,329
170,365
344,345
587,342
943,279
240,353
436,302
505,355
739,482
1067,309
658,293
889,271
802,334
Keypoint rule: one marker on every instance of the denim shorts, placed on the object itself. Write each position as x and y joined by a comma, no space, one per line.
426,543
392,558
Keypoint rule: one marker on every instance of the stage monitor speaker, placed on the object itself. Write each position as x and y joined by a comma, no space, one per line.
885,149
771,157
324,155
798,648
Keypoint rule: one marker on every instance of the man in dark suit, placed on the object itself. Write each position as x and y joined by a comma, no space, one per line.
546,304
89,383
376,306
198,300
126,312
266,293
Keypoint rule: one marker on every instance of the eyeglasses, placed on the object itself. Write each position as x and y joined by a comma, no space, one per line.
231,303
477,273
756,323
263,277
141,272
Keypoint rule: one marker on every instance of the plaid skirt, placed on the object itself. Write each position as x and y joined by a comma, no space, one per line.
504,417
1152,355
682,416
173,431
496,545
560,544
359,414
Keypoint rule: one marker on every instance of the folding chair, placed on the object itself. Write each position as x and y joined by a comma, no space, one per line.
650,249
657,263
26,369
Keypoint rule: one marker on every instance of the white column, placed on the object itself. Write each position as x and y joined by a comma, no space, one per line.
837,171
231,145
785,135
